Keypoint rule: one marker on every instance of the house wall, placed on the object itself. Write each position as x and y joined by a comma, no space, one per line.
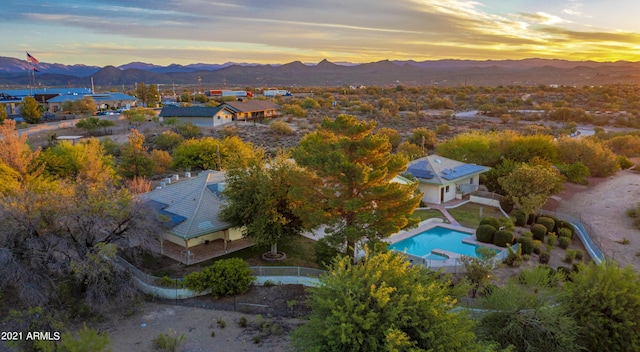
198,121
222,118
234,234
432,193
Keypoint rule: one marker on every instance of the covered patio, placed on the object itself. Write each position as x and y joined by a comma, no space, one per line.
202,252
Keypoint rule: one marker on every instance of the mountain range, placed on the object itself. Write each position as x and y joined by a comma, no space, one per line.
438,72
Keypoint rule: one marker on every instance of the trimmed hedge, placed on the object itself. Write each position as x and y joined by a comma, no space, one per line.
520,217
539,231
484,233
564,242
526,243
565,232
545,257
548,222
502,238
490,220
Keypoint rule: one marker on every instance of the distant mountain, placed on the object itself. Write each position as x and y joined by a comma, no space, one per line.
326,73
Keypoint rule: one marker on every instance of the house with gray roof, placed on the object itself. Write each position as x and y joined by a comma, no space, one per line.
206,116
189,208
442,179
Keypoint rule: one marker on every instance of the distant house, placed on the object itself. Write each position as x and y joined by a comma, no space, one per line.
442,179
205,116
104,101
257,110
189,210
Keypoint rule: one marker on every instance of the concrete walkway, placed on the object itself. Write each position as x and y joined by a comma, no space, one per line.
444,212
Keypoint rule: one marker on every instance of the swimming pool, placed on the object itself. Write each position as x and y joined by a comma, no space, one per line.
422,244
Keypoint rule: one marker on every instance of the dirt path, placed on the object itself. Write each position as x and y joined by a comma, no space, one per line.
136,332
603,205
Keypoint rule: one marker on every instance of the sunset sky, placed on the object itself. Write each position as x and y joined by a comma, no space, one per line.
116,32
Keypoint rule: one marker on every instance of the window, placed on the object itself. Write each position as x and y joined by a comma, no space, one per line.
446,189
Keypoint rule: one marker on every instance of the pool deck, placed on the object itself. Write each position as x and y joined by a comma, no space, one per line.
448,264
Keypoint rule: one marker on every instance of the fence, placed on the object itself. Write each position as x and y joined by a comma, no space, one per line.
173,288
453,265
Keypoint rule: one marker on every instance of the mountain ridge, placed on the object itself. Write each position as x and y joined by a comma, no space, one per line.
326,73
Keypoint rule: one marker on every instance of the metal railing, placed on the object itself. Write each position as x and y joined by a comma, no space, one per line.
174,288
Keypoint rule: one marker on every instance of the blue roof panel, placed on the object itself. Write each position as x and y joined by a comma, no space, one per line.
461,171
419,169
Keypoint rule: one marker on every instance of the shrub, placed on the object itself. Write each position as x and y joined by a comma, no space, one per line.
502,238
281,128
169,342
242,322
528,234
624,162
221,323
551,239
548,222
545,257
520,216
537,247
579,254
514,258
564,242
570,255
489,220
539,231
488,289
484,233
224,277
526,243
565,232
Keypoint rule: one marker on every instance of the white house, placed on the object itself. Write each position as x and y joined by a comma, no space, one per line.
207,116
442,179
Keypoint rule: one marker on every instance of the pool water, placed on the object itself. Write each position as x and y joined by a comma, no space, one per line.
438,237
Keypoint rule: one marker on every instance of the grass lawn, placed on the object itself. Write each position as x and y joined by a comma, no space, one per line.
468,214
299,252
425,214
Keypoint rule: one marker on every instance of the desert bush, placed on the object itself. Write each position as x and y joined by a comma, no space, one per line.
520,217
548,222
169,342
485,232
224,277
502,238
528,234
544,258
564,242
576,172
624,162
551,239
539,231
526,243
281,128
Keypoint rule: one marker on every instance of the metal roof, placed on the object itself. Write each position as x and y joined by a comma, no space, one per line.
95,97
32,91
461,171
190,111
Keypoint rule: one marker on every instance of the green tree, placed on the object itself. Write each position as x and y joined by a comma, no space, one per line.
258,200
136,116
348,186
383,304
605,302
87,160
472,147
525,314
212,154
134,157
393,135
531,186
600,160
410,151
168,140
30,110
423,137
148,95
478,269
92,124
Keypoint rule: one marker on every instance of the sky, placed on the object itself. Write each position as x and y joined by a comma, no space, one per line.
162,32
